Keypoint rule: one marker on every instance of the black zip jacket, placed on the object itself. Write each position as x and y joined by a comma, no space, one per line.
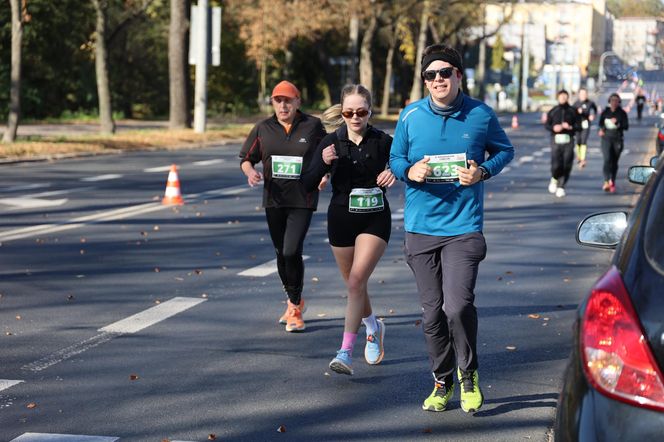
622,122
563,113
587,106
269,137
357,166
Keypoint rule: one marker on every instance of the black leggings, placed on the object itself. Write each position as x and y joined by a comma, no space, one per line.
582,136
611,149
562,161
288,227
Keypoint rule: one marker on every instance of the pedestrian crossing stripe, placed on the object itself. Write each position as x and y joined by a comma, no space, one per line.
6,383
264,269
52,437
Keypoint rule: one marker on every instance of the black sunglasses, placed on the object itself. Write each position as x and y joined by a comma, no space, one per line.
360,113
443,72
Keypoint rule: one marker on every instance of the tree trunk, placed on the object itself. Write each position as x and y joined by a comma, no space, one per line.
178,69
416,90
15,87
354,31
101,68
366,67
385,103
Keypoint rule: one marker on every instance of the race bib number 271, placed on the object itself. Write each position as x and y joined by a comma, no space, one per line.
287,167
445,167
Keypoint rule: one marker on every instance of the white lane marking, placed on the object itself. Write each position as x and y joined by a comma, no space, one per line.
57,192
6,383
208,162
31,203
68,352
151,316
264,269
157,169
595,150
52,437
539,153
26,187
398,215
131,324
112,215
525,159
110,176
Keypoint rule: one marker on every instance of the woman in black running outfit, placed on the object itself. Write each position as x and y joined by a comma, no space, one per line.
284,143
358,218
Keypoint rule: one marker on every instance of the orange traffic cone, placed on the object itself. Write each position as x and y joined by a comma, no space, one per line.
173,195
515,122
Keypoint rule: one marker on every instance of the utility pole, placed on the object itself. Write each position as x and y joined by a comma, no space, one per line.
200,93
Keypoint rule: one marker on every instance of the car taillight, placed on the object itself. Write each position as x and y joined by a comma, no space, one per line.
616,357
660,135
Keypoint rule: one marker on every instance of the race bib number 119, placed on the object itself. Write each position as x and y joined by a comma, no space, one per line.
287,167
445,167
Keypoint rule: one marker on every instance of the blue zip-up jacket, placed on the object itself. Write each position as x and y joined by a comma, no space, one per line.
447,209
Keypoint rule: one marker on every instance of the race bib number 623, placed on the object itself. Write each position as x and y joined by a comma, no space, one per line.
445,167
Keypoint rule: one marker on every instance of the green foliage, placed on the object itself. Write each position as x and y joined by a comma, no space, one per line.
497,53
636,8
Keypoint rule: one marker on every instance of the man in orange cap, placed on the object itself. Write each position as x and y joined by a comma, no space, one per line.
284,144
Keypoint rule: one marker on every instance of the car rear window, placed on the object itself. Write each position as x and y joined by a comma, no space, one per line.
654,235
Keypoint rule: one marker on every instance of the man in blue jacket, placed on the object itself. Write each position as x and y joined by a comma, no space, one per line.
445,147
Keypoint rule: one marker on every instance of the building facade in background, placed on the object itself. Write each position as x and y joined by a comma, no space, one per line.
637,41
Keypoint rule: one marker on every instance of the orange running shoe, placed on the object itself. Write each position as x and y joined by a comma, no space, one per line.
294,321
606,186
284,318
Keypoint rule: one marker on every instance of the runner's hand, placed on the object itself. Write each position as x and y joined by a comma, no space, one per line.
419,171
329,154
557,127
254,177
385,179
323,181
471,175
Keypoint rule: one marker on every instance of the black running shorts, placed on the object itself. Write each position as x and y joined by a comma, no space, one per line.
344,226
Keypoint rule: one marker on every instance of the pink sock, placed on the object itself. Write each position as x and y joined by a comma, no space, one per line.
349,342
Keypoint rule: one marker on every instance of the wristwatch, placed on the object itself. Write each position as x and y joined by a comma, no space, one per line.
485,173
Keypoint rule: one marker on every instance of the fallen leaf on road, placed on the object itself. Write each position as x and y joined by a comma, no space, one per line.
18,317
198,272
70,297
314,279
224,268
321,315
155,228
156,270
83,240
31,405
510,348
508,272
382,281
566,280
82,252
417,323
198,214
500,278
177,278
281,429
534,316
391,312
212,436
157,301
133,377
204,295
8,333
427,431
144,233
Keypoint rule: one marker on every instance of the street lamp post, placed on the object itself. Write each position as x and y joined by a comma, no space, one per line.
601,66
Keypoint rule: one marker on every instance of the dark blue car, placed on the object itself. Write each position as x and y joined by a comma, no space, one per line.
613,386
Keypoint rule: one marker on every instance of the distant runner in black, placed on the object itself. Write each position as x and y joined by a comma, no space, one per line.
284,144
612,123
586,111
640,102
562,122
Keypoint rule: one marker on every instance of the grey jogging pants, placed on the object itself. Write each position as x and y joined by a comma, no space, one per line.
445,269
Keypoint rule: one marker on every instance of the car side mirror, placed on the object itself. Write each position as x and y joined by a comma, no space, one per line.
653,161
640,174
602,230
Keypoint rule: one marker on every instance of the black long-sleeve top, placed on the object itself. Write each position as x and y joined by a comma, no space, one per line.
268,138
587,107
560,114
622,122
356,167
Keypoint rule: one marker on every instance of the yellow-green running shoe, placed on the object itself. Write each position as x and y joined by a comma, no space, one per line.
439,397
471,395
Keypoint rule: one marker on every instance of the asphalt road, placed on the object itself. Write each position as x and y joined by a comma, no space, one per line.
86,244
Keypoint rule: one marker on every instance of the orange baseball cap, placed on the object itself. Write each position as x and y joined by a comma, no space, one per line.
285,89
